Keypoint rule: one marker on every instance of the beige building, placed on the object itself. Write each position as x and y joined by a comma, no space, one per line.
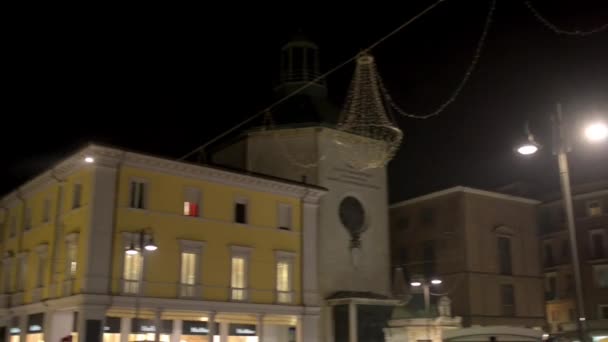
591,220
482,245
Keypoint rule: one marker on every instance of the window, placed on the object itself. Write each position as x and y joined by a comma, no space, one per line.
284,274
240,211
285,216
239,265
504,255
27,219
46,210
598,250
42,268
550,286
137,195
594,208
133,265
76,196
569,285
21,272
188,274
7,272
601,275
603,311
549,261
427,216
554,315
508,299
428,257
13,230
192,198
565,251
71,260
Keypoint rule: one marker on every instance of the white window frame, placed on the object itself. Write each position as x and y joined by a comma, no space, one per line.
245,253
21,273
193,247
145,196
77,200
46,210
7,272
199,201
596,280
27,218
43,264
589,210
285,297
71,241
245,201
599,311
289,211
604,235
127,239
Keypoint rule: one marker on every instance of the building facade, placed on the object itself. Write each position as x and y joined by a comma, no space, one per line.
482,245
119,246
591,222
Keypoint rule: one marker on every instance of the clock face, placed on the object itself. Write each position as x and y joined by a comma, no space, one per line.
352,215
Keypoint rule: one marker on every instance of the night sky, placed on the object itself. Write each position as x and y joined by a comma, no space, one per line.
164,80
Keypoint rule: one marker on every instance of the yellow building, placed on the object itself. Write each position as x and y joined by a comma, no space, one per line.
128,246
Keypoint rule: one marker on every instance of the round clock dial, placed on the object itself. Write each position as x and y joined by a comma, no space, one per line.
352,215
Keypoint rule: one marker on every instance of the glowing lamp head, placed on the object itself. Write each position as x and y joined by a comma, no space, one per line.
151,246
416,283
131,250
596,132
436,281
89,160
527,149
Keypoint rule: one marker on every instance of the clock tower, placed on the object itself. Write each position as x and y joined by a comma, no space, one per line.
346,262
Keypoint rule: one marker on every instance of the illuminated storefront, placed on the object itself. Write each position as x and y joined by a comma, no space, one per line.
35,327
111,330
197,331
145,329
242,333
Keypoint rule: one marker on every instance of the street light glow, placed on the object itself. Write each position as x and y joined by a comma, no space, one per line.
131,251
151,246
436,281
527,149
89,160
596,132
416,283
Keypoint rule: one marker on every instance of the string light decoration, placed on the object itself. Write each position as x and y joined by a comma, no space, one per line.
557,30
367,137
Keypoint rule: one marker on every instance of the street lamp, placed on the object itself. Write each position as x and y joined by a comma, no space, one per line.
426,288
596,132
145,241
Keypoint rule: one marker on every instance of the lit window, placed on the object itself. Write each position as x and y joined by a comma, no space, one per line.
594,208
191,202
137,195
284,274
132,272
188,274
72,259
76,196
284,216
238,278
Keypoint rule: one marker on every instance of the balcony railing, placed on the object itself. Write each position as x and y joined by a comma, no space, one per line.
284,297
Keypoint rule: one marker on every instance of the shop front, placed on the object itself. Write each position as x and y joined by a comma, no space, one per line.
145,329
198,331
242,333
111,329
35,327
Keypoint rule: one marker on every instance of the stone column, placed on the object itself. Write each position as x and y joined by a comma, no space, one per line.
125,329
58,324
224,332
352,322
260,327
177,330
90,323
211,325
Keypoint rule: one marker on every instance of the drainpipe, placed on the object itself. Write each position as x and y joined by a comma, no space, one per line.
58,234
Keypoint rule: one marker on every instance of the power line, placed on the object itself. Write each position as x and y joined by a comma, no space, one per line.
316,80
